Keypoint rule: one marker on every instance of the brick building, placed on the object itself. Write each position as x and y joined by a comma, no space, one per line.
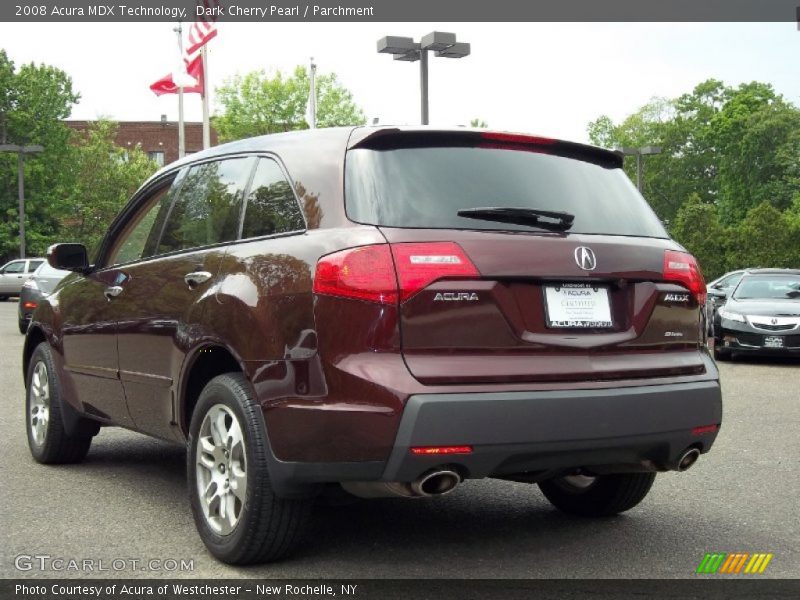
159,139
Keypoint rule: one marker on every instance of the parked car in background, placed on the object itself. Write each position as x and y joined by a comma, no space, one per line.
14,273
761,315
40,285
385,310
717,291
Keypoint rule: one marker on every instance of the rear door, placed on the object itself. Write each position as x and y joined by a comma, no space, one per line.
540,302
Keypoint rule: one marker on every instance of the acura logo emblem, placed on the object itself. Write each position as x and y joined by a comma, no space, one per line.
585,258
774,321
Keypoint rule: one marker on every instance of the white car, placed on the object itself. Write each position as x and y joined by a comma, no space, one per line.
14,273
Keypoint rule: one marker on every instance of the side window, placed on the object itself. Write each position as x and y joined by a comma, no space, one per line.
271,205
139,238
33,265
208,206
730,281
15,267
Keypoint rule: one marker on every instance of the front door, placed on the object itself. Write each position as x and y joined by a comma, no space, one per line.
91,315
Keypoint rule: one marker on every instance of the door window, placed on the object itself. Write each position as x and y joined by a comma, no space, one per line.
208,206
33,265
15,267
138,240
271,205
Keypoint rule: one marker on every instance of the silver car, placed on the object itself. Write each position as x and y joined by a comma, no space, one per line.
40,285
14,273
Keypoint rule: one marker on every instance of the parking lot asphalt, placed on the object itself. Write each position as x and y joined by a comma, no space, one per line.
128,501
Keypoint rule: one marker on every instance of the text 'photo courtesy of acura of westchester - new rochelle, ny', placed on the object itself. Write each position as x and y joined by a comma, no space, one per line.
380,311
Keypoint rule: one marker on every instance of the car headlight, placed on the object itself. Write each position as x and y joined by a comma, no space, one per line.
731,316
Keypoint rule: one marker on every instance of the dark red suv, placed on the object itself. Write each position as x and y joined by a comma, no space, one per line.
385,310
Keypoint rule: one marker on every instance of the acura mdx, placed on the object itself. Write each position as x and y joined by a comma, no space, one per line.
388,311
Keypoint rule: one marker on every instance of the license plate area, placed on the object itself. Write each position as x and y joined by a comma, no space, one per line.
773,341
577,306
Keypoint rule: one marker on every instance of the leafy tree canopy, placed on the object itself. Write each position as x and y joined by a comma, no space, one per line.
258,103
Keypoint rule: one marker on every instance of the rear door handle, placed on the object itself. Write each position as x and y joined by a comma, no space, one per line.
112,292
196,278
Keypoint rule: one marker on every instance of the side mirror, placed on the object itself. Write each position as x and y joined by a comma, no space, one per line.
68,257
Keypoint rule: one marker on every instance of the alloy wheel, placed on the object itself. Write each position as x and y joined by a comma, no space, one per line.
39,405
221,469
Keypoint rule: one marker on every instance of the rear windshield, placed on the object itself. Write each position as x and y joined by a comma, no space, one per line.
425,187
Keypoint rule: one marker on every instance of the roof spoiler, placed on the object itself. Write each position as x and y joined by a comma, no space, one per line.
394,138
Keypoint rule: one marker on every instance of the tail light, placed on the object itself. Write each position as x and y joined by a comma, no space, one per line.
387,274
419,265
682,268
364,273
29,305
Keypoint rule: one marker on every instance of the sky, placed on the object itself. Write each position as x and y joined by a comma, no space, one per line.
544,78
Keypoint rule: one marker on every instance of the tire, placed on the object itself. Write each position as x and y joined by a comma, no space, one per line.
48,440
719,353
3,298
603,496
257,526
23,326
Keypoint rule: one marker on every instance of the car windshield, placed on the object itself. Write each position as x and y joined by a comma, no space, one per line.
768,287
461,187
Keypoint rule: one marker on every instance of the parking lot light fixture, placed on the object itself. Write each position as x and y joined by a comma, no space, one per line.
638,153
442,44
21,151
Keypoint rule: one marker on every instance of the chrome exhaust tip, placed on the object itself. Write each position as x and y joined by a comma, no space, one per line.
436,483
687,459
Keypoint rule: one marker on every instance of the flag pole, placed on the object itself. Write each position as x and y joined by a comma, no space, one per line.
313,95
181,132
206,120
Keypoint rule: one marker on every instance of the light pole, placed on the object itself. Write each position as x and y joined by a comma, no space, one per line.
444,45
21,152
638,153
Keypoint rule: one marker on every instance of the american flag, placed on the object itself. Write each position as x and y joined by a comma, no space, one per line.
203,29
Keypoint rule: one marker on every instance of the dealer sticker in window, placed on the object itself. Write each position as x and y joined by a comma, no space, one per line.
578,306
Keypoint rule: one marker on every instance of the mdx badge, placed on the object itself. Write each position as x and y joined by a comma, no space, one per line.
585,258
676,298
455,297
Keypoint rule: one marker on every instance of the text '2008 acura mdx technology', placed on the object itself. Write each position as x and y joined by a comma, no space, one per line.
389,311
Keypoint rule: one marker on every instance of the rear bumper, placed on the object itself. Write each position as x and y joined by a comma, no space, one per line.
643,428
640,428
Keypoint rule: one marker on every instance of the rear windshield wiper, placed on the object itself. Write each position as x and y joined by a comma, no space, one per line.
545,219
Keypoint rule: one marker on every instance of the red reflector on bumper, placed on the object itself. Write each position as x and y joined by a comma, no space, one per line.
29,305
442,450
704,429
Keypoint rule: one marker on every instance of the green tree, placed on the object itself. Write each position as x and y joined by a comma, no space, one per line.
479,123
766,237
34,100
734,148
758,134
698,228
257,103
104,178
